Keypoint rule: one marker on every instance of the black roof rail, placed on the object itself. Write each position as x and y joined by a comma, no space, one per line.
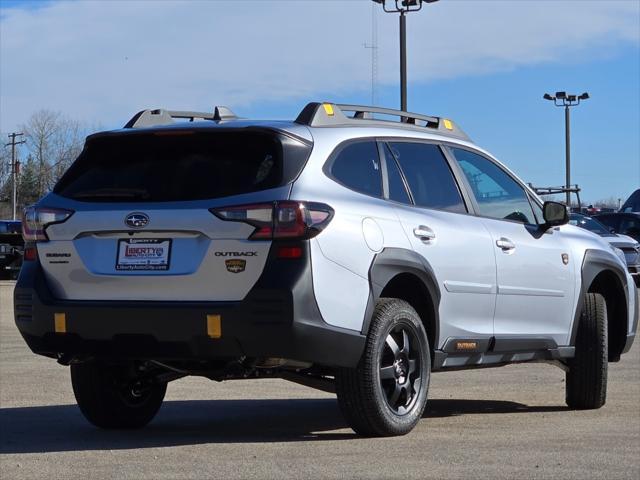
332,115
151,118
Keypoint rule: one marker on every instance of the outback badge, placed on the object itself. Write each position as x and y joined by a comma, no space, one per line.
235,265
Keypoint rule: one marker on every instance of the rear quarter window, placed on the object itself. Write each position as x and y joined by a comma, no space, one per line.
357,166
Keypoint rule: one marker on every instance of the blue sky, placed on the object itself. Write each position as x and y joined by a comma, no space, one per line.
485,64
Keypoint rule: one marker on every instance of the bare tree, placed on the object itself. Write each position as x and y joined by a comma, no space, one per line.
54,141
611,202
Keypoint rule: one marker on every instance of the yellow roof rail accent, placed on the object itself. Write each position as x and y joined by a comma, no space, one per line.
328,108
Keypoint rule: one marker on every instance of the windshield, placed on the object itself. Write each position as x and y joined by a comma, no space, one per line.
590,224
181,165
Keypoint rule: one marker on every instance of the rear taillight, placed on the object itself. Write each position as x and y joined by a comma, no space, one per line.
35,220
282,219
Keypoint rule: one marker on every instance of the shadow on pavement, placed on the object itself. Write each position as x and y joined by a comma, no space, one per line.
61,428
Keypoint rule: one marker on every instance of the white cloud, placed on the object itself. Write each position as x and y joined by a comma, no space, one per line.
102,60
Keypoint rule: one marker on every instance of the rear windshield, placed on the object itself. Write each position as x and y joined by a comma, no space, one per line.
168,166
10,227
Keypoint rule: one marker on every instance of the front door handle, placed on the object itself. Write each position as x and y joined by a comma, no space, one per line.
505,244
425,234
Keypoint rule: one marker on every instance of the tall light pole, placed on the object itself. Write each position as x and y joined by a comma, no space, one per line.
563,99
403,7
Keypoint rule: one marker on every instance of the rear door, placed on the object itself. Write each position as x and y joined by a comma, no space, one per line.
142,228
535,271
455,243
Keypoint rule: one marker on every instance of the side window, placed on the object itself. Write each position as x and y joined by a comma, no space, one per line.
430,180
357,166
498,195
537,210
397,189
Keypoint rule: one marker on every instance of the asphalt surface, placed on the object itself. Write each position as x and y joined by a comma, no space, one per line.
501,423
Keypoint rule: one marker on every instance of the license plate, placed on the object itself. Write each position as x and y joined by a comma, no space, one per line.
143,254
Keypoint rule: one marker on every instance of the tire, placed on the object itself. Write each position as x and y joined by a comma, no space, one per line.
586,378
108,398
386,393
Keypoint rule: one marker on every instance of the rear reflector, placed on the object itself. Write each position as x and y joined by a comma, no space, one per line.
30,254
279,219
289,252
60,322
214,326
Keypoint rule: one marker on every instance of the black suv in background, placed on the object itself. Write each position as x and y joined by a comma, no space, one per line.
627,220
632,204
11,248
622,223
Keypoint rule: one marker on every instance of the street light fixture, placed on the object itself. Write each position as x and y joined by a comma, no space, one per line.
403,7
562,99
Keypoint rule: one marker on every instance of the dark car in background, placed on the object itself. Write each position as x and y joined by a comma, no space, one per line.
11,248
622,223
627,245
632,204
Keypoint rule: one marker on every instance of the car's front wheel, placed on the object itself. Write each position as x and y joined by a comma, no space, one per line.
387,392
586,378
110,397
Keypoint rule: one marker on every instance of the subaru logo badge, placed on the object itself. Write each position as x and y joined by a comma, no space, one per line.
136,220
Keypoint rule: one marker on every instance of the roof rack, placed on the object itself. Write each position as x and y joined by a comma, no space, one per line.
331,115
151,118
558,190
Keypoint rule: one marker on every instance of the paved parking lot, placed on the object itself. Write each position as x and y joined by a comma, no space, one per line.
501,423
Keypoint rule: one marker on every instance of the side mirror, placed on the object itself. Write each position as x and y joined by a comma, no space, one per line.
554,214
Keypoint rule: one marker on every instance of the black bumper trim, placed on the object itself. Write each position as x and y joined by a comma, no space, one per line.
278,318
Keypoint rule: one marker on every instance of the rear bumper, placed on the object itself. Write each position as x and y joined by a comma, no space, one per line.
278,318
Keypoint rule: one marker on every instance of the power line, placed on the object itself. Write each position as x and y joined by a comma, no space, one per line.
14,169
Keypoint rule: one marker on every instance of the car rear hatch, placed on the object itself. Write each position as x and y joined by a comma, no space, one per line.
142,226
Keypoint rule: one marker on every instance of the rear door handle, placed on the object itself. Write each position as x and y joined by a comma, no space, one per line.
425,234
505,244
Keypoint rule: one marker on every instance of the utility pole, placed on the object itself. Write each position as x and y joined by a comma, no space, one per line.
14,169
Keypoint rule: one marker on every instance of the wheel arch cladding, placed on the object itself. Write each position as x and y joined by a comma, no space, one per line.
404,274
600,274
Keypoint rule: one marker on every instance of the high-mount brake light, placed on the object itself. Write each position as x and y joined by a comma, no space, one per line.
35,221
284,219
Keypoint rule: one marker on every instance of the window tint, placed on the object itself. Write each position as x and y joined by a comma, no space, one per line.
180,166
357,166
397,190
498,195
428,175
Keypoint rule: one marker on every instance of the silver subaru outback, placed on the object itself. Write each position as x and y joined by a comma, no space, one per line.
355,249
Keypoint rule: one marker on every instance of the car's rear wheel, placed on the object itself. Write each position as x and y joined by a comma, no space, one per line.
586,378
387,392
109,396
